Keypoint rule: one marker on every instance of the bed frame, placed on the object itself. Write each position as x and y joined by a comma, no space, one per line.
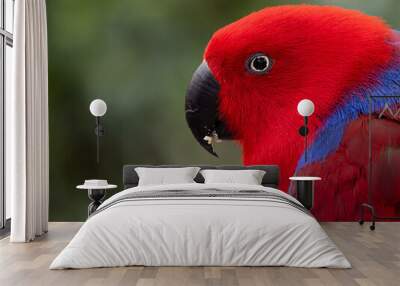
130,178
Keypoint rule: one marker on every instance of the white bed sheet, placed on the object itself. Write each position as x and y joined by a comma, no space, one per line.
200,231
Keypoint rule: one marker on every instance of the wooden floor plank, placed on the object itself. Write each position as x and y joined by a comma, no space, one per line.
375,257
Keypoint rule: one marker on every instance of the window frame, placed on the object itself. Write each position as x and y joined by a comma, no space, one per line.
6,39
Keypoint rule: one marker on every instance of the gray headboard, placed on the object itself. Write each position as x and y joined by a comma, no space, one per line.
271,178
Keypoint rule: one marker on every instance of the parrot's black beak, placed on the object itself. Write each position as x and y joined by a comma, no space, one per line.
201,108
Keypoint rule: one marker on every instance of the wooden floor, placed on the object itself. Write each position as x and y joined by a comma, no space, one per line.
375,257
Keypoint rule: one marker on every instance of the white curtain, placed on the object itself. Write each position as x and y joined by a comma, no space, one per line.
27,147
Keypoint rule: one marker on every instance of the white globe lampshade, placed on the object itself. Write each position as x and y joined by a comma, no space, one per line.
98,107
305,107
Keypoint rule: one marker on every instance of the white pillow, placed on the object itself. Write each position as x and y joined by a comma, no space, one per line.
248,177
162,176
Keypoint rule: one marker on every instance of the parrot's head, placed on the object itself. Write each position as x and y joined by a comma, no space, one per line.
256,70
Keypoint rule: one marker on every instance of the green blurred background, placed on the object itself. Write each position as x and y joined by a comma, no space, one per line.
138,56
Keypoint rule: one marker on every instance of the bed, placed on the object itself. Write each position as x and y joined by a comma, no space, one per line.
198,224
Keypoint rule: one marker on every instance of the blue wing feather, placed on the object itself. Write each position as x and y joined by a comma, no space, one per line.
328,138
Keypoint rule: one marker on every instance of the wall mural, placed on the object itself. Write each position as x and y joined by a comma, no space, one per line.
139,56
257,69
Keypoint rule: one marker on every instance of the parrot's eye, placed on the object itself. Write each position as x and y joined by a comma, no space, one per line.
258,64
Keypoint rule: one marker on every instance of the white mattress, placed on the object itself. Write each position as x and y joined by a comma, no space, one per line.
200,231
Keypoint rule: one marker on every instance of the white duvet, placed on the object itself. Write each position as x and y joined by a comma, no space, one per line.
200,231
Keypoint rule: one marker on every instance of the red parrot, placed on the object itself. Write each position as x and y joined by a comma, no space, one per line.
257,69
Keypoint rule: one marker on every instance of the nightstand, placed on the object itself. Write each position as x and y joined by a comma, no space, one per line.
305,190
96,192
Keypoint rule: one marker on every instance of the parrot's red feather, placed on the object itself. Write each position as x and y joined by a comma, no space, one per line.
319,53
345,172
322,53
